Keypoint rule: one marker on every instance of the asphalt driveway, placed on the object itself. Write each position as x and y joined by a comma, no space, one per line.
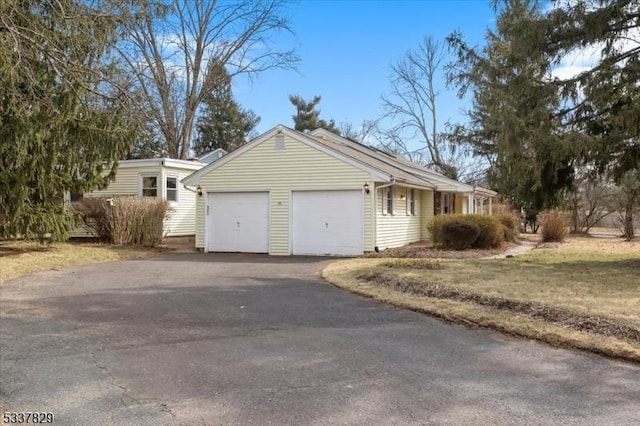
243,339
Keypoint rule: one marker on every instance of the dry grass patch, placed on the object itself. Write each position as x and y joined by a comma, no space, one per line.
584,293
23,258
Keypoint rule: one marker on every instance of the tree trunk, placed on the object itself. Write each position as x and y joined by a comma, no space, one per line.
628,223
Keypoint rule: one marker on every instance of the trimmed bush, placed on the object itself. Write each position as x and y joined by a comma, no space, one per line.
491,233
459,234
455,230
555,225
137,221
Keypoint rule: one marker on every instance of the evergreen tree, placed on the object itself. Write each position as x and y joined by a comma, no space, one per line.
63,112
511,121
307,117
603,101
223,123
149,144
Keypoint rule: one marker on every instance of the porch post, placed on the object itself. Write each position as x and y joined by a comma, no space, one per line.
490,207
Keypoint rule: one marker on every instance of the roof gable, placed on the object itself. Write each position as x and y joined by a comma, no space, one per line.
194,178
383,167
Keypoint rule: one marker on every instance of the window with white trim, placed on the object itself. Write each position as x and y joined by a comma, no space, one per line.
388,202
149,185
172,188
411,202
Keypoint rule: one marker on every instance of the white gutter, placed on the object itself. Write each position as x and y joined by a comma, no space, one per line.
189,189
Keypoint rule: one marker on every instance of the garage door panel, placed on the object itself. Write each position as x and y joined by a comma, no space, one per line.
327,222
239,222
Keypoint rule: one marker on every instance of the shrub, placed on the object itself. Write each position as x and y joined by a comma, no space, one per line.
434,227
507,233
448,231
512,222
92,212
555,225
137,221
459,234
491,233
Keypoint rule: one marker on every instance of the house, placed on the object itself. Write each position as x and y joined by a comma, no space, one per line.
158,177
288,192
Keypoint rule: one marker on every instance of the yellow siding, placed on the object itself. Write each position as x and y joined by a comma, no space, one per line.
398,229
426,205
297,167
181,218
125,182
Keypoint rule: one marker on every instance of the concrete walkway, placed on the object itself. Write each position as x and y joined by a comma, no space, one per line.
523,247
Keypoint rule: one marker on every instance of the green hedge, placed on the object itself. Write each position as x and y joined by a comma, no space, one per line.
457,231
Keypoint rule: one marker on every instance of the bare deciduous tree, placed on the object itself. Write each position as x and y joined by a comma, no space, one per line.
362,133
411,105
590,201
177,50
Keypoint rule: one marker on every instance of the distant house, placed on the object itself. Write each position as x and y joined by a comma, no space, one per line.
160,178
288,192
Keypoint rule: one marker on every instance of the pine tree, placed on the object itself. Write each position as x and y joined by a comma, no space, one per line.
603,101
511,119
63,112
307,117
223,123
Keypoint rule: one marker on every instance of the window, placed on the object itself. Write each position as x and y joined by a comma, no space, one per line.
172,188
387,200
411,202
149,185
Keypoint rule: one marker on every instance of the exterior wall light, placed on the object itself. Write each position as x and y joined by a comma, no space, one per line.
199,191
366,188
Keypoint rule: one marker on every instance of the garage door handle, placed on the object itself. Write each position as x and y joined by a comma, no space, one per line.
326,224
238,225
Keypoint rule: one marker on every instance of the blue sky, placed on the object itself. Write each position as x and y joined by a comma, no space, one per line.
346,48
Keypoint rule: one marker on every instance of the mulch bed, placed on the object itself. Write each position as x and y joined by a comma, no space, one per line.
561,317
426,250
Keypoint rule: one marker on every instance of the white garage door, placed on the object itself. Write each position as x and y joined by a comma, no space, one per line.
327,222
238,222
